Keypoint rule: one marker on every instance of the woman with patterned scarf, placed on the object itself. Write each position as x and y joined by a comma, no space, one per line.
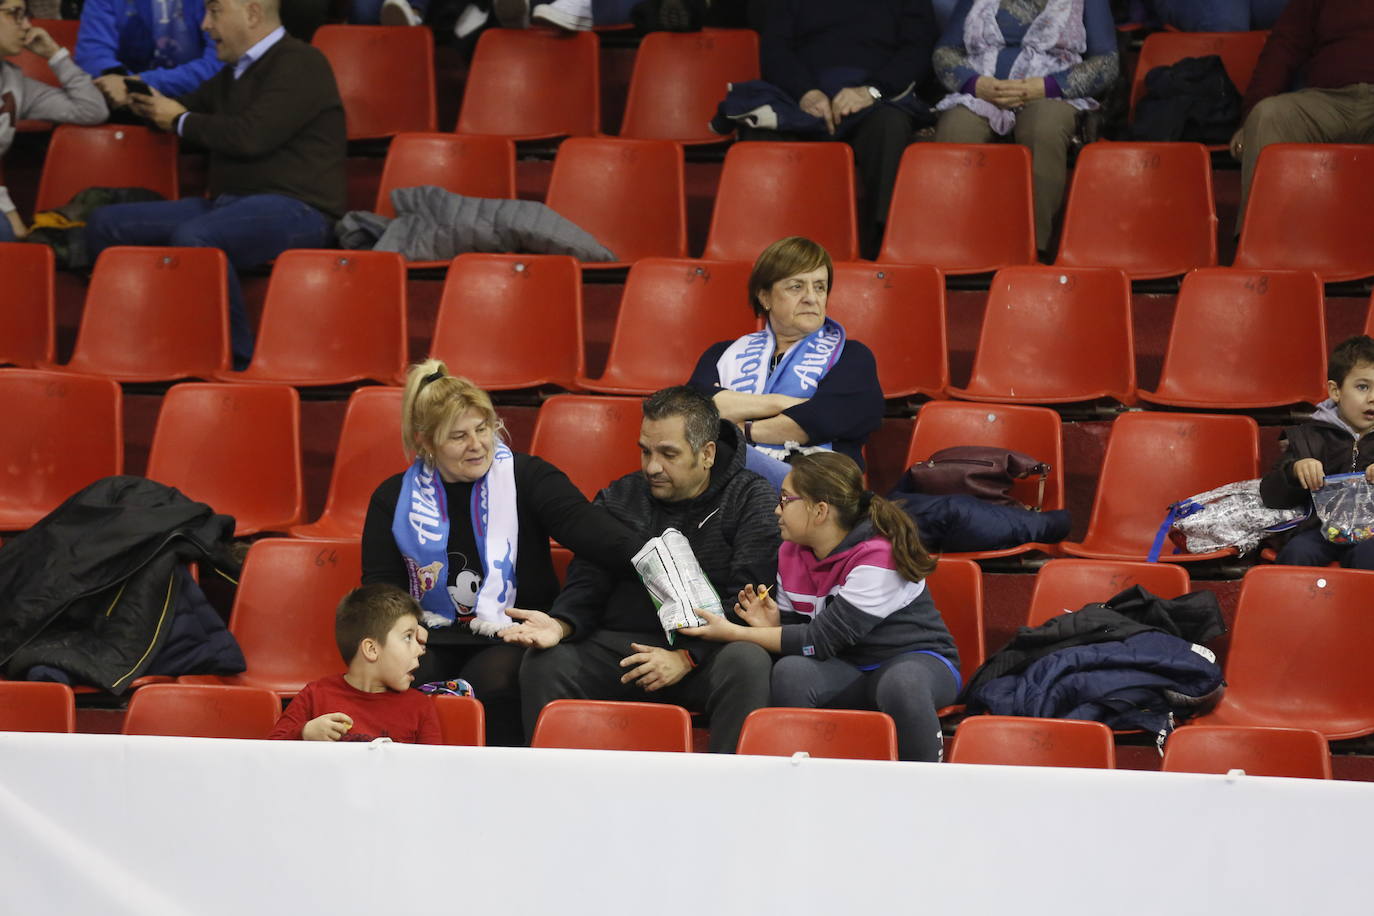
1026,69
466,531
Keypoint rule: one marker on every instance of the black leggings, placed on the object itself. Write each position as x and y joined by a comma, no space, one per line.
494,673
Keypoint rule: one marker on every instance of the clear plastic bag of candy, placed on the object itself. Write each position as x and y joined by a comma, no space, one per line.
1345,505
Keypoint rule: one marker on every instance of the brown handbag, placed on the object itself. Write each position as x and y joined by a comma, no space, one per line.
977,470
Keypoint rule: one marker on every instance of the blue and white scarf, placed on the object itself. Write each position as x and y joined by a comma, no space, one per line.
1055,41
744,367
421,528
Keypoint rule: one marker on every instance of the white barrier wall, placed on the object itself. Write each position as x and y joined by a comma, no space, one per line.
111,825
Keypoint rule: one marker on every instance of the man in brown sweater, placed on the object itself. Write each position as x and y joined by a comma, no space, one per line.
273,124
1326,46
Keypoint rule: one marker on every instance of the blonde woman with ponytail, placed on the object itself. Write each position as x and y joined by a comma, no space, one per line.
851,615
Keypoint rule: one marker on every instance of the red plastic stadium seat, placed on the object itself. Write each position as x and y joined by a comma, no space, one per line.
769,191
107,156
155,314
1146,208
613,726
898,310
472,165
61,432
385,76
965,208
26,304
283,616
1033,431
369,452
330,318
1293,752
1300,649
1068,584
591,439
234,447
1152,460
1325,188
680,78
1239,52
1055,335
462,721
63,31
528,84
628,194
1245,339
1027,741
510,321
672,310
36,706
956,586
202,711
850,734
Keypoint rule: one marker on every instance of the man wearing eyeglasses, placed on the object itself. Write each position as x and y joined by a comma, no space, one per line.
76,101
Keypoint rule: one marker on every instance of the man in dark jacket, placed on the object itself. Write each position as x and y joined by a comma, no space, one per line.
273,123
602,638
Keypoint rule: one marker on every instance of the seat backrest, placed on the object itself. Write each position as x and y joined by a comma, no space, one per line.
462,721
46,415
385,76
155,314
965,208
956,586
1053,334
1328,190
1033,431
1154,459
1068,584
1146,208
680,77
27,316
107,156
1299,752
332,317
629,194
235,447
202,711
531,83
613,726
770,191
1027,741
36,706
283,615
1239,52
591,439
369,452
844,733
654,346
1300,651
1245,339
526,310
898,311
472,165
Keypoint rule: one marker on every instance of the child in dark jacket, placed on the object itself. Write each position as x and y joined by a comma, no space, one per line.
1336,440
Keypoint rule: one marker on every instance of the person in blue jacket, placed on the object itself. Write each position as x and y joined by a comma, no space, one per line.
157,41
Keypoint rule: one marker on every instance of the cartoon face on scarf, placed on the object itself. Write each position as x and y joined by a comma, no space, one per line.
466,584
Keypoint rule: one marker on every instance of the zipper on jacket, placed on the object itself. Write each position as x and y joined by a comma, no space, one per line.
157,631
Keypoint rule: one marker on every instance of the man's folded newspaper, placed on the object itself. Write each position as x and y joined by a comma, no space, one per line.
671,573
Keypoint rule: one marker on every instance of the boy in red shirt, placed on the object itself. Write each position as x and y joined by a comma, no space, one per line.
381,637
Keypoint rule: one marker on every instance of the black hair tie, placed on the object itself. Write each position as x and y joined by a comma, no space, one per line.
866,500
433,376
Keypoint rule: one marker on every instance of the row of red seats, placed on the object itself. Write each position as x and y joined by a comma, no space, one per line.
1147,208
1049,335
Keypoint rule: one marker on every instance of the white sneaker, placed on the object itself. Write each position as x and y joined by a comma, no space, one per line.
569,15
512,14
399,12
472,19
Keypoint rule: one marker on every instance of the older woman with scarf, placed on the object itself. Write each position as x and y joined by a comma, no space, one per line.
466,531
1026,69
797,385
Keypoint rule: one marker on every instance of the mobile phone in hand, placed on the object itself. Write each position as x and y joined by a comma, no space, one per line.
137,86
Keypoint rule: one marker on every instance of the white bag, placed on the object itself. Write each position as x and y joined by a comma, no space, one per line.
1232,515
671,573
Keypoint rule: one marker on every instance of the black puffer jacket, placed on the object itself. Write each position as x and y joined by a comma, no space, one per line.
92,589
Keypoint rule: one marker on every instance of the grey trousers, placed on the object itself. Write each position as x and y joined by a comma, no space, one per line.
1047,127
1343,115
